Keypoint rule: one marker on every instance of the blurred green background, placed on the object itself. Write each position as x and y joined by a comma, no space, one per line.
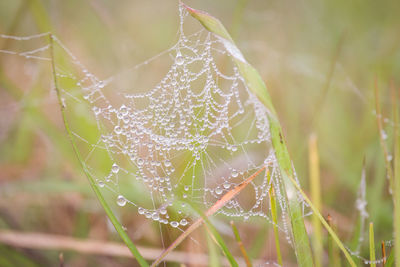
318,58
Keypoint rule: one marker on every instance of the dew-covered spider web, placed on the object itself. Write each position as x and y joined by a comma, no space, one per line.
190,135
181,127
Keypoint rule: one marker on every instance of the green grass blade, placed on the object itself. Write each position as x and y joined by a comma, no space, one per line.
372,257
274,215
240,243
325,224
216,237
396,180
213,253
390,259
256,85
315,185
135,252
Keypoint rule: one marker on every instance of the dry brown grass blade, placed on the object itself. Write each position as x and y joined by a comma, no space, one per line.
219,204
44,241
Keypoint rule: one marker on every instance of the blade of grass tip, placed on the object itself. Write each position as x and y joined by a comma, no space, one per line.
274,215
240,244
256,84
372,257
396,181
196,224
325,224
135,252
383,136
333,253
315,198
383,248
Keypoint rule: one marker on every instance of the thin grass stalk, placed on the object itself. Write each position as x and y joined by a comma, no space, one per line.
255,83
396,180
274,215
382,137
372,257
118,227
383,249
315,185
325,224
240,244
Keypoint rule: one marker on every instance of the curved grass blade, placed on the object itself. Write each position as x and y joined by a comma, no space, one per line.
196,224
255,83
142,262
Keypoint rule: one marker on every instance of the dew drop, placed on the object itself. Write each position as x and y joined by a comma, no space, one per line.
234,173
115,168
121,200
226,185
101,184
218,191
179,60
141,210
183,222
118,130
174,224
167,163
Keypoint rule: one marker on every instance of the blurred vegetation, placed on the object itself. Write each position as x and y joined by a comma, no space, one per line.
319,60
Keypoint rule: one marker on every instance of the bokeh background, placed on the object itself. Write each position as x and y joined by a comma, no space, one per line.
319,59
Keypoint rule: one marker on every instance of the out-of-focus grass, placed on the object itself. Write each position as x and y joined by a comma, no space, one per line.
291,43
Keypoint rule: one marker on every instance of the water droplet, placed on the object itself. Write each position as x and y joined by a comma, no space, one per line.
218,191
183,222
124,110
186,188
115,168
174,224
141,210
234,173
140,161
167,163
155,216
226,185
118,130
234,148
179,60
121,200
101,184
163,211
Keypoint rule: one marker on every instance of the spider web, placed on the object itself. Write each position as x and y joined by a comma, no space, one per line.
192,136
